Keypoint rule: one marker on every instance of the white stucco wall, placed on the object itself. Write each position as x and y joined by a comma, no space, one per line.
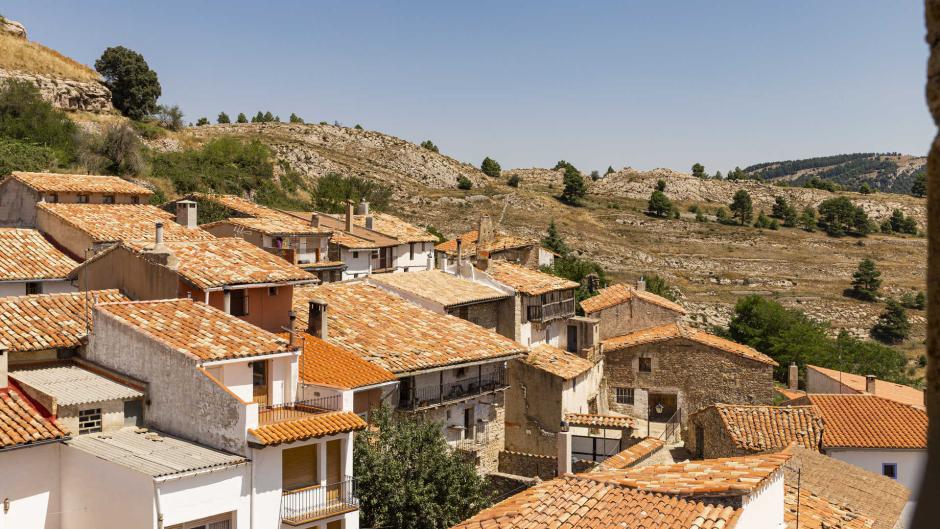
554,333
120,497
18,288
358,266
911,463
579,390
764,509
29,477
401,257
218,492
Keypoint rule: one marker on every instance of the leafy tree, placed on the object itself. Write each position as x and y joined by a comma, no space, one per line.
202,121
610,170
574,189
170,117
429,145
660,185
294,118
865,189
577,269
698,170
409,478
464,183
659,204
808,218
490,167
25,117
741,207
134,86
333,191
718,175
118,151
241,118
866,281
223,118
513,180
554,242
658,285
910,300
892,326
595,175
919,187
839,216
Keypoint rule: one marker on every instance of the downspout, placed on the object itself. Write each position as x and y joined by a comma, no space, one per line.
251,484
156,502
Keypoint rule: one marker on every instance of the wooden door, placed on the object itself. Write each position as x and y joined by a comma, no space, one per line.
259,382
334,467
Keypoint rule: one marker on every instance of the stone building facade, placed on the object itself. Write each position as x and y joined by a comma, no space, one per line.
727,430
622,309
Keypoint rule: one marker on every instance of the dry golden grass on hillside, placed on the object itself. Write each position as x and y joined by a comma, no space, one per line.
32,57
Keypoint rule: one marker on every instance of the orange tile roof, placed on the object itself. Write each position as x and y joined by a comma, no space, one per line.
594,420
196,329
21,424
439,287
622,293
26,255
79,183
556,361
723,477
324,363
883,388
868,421
573,502
396,334
236,204
816,512
122,222
671,331
275,227
321,425
358,238
762,428
395,227
525,280
789,394
47,321
500,242
629,457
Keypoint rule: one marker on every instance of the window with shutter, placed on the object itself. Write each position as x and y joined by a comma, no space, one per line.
299,467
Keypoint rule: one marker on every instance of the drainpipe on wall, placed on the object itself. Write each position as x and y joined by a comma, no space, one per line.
251,495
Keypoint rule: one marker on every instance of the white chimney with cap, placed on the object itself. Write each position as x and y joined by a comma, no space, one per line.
186,213
870,384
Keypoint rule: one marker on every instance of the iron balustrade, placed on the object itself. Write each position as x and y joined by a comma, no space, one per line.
434,395
313,503
289,411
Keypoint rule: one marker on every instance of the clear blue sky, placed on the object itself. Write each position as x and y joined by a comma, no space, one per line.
645,84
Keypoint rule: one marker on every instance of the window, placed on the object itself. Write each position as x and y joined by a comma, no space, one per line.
107,199
53,198
239,304
299,467
355,255
646,365
272,291
33,288
82,199
132,412
889,470
625,396
135,200
89,421
411,250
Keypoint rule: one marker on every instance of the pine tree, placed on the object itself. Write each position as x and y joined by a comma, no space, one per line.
762,220
610,169
241,118
698,170
259,117
554,242
294,118
659,204
892,326
660,185
741,207
268,117
223,118
490,167
202,121
808,219
919,187
574,189
865,281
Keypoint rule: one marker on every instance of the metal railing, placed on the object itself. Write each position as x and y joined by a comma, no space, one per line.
313,503
551,311
426,396
289,411
477,440
671,426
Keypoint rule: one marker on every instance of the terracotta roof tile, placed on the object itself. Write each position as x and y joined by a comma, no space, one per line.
27,255
622,293
556,361
816,512
789,394
439,287
763,428
358,238
79,183
47,321
867,421
594,420
629,457
395,227
275,227
572,502
236,204
396,334
324,363
122,222
526,280
21,424
308,428
195,329
501,241
671,331
883,388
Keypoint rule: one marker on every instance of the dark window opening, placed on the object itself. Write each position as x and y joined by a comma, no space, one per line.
646,365
239,303
889,470
107,199
33,288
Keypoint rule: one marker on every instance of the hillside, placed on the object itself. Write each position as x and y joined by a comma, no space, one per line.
888,172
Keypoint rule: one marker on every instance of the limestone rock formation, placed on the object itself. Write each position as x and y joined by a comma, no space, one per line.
13,28
67,94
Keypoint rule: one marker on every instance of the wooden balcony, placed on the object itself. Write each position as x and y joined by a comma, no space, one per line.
555,310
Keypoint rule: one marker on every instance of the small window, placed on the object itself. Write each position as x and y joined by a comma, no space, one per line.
272,291
646,365
239,304
53,198
135,199
107,199
33,288
355,255
625,396
889,470
89,421
82,199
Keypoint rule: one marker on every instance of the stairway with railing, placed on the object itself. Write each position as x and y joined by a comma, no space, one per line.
672,428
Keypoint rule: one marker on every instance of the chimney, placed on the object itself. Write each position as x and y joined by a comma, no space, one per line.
483,261
459,252
227,299
291,319
316,319
158,236
363,208
349,216
315,220
369,222
485,233
793,377
4,357
641,284
186,213
564,451
870,384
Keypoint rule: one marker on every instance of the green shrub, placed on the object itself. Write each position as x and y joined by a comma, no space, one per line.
658,285
134,86
911,300
332,191
429,145
223,165
700,217
170,117
513,180
762,221
18,155
464,183
117,151
241,118
659,204
490,167
148,129
25,116
202,121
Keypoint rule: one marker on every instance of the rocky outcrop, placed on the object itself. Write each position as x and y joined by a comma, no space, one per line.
12,27
66,94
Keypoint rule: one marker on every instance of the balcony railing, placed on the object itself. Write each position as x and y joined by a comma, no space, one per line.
427,396
551,311
314,503
290,411
475,442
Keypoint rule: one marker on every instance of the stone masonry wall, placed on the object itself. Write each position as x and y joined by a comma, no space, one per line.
632,316
716,441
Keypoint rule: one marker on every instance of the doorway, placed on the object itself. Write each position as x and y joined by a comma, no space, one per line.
334,468
572,338
662,406
259,382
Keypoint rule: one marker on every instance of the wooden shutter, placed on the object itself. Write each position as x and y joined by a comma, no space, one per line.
299,467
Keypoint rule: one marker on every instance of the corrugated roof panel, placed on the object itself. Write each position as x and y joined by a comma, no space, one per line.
71,385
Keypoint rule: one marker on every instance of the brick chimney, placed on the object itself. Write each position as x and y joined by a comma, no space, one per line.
186,213
793,377
316,319
485,233
349,216
870,384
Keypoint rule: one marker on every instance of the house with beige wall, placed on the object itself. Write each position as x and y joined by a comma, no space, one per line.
22,191
30,264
